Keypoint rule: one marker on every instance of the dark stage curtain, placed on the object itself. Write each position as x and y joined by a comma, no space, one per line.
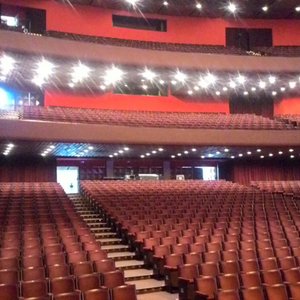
27,170
245,172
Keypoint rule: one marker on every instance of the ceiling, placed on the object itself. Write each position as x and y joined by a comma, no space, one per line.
277,9
118,151
26,70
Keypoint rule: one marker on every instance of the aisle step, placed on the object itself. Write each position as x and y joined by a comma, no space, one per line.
115,248
121,255
148,285
129,264
137,274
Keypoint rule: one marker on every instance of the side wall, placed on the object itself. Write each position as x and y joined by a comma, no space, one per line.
288,106
133,102
98,22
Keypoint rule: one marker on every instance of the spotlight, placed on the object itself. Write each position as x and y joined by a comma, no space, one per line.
232,7
199,6
181,77
262,84
265,8
292,84
272,79
80,72
165,3
148,74
113,75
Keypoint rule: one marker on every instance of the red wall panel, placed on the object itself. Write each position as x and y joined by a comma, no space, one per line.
133,102
98,22
289,106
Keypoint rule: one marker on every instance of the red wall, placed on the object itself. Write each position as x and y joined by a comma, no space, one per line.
98,22
133,102
289,106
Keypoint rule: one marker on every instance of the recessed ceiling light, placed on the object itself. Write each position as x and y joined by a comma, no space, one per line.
241,79
194,149
225,89
161,81
181,77
270,154
196,88
148,74
274,93
10,145
253,89
52,147
144,87
154,151
199,5
232,84
292,156
142,156
265,8
190,92
113,75
297,8
44,68
173,82
262,84
160,149
249,152
218,93
292,84
282,89
111,156
71,84
165,3
218,152
258,150
232,7
262,156
232,156
246,93
272,79
148,154
7,64
202,156
241,155
116,154
80,72
226,150
126,149
121,151
280,152
186,152
172,156
210,155
179,154
102,87
132,2
291,150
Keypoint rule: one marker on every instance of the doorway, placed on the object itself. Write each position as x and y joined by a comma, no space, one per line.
67,177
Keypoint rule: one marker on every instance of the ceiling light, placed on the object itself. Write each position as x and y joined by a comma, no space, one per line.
218,152
121,151
161,82
52,147
274,93
210,155
179,154
292,84
154,151
265,8
241,155
218,93
258,150
10,145
186,152
202,156
102,87
111,156
297,8
262,156
173,82
232,156
148,154
232,7
199,5
241,79
249,152
165,3
292,156
126,149
7,64
91,147
132,2
253,89
80,72
282,89
270,154
116,154
225,89
211,78
280,152
86,150
160,149
144,87
142,156
194,149
181,77
196,88
272,79
148,75
246,93
113,75
291,150
232,84
262,84
226,150
71,84
38,80
190,92
172,156
45,68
